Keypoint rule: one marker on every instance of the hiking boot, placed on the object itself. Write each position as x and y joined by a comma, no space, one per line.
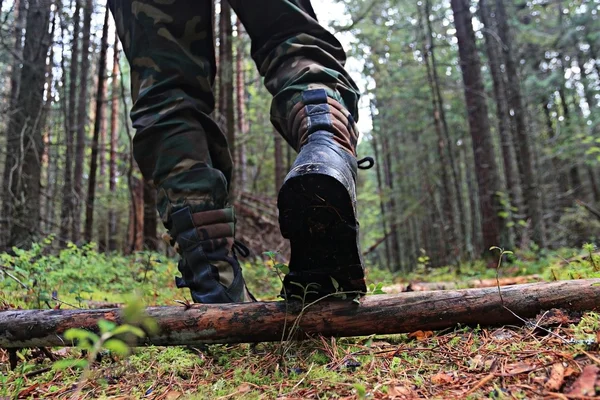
317,210
209,265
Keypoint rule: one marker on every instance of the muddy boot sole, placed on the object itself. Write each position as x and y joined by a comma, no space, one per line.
316,214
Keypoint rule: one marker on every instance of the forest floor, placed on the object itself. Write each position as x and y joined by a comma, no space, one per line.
557,355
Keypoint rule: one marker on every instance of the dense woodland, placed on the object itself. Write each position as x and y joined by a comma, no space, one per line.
485,128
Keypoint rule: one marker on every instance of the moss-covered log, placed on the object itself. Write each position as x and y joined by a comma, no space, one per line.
259,322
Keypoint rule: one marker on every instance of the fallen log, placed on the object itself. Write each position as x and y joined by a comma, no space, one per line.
264,321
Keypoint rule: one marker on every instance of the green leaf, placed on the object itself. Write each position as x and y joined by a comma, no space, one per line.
80,334
129,329
61,365
106,326
117,346
335,283
283,268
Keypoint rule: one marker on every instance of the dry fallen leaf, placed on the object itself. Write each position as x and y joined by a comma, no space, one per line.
420,335
399,392
557,377
173,395
441,378
519,368
585,384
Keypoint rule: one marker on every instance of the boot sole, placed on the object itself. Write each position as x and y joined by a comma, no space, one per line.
317,215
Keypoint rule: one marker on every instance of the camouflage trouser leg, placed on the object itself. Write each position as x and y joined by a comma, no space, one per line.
170,50
295,53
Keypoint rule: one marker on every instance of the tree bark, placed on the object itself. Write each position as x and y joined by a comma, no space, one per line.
12,142
450,246
526,169
66,214
263,322
100,110
502,109
114,136
24,139
82,119
136,217
242,125
450,147
492,226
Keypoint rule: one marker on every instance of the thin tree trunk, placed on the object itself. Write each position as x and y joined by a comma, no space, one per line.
25,128
82,120
492,226
136,217
450,147
242,125
502,112
114,136
66,214
450,246
100,110
12,142
523,137
381,199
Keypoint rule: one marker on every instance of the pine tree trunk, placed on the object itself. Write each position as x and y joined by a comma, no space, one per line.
82,120
502,112
381,199
114,136
450,147
25,128
12,143
523,137
99,117
242,125
492,226
66,214
450,246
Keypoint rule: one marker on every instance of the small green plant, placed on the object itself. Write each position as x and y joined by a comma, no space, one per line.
112,337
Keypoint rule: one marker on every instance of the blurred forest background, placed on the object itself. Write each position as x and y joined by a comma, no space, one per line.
483,117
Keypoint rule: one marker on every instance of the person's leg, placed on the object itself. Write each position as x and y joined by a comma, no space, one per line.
177,146
315,106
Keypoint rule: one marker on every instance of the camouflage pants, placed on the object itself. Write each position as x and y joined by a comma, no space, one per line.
169,46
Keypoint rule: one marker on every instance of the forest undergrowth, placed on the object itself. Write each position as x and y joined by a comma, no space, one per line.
555,355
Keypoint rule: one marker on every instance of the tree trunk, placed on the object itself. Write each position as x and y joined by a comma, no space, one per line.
381,199
12,142
242,125
526,169
24,139
82,119
450,246
100,110
114,137
492,226
150,220
66,214
502,109
450,147
263,322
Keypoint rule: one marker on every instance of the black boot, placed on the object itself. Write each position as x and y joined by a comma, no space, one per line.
317,213
208,262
